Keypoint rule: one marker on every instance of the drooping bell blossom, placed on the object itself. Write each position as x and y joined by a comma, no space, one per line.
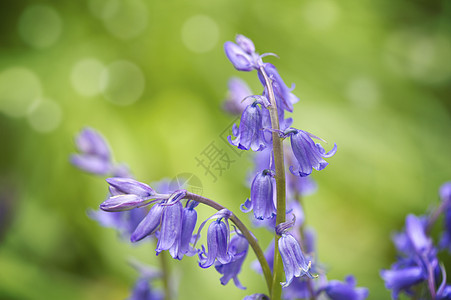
95,156
284,98
399,280
337,290
188,224
263,191
237,92
238,250
308,155
143,289
149,224
242,54
250,133
128,193
171,229
218,239
294,262
445,195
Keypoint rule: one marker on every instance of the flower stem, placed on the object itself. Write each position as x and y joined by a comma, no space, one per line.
247,234
280,185
165,277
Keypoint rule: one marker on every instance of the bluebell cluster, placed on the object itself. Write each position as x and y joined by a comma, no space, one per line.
139,211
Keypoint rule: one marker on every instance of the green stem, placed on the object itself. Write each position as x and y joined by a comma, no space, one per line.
165,275
247,234
280,185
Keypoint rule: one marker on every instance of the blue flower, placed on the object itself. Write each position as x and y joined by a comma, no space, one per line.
171,229
337,290
242,55
308,154
294,262
218,238
128,193
445,195
284,98
95,154
238,90
250,133
262,196
238,248
143,289
149,223
402,279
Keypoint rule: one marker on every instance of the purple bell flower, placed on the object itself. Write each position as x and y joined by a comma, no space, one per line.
308,154
337,290
284,98
402,279
149,224
128,193
188,224
218,238
238,250
294,262
242,55
262,196
95,154
143,290
445,195
250,133
171,229
238,90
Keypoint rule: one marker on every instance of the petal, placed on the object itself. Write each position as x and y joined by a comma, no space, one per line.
91,163
171,226
149,224
122,202
89,141
238,57
131,186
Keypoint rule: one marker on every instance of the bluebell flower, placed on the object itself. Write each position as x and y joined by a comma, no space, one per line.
308,154
149,224
242,54
143,289
128,193
284,98
250,133
294,262
218,239
188,224
337,290
238,248
238,90
399,280
445,195
171,229
269,256
262,196
95,156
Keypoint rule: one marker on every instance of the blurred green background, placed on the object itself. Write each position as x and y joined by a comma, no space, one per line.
373,77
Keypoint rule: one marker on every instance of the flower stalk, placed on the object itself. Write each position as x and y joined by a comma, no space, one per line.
246,233
280,184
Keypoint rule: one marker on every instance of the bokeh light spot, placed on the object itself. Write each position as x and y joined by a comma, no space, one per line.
19,87
125,19
363,92
104,9
122,82
200,33
321,14
85,76
40,26
44,115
